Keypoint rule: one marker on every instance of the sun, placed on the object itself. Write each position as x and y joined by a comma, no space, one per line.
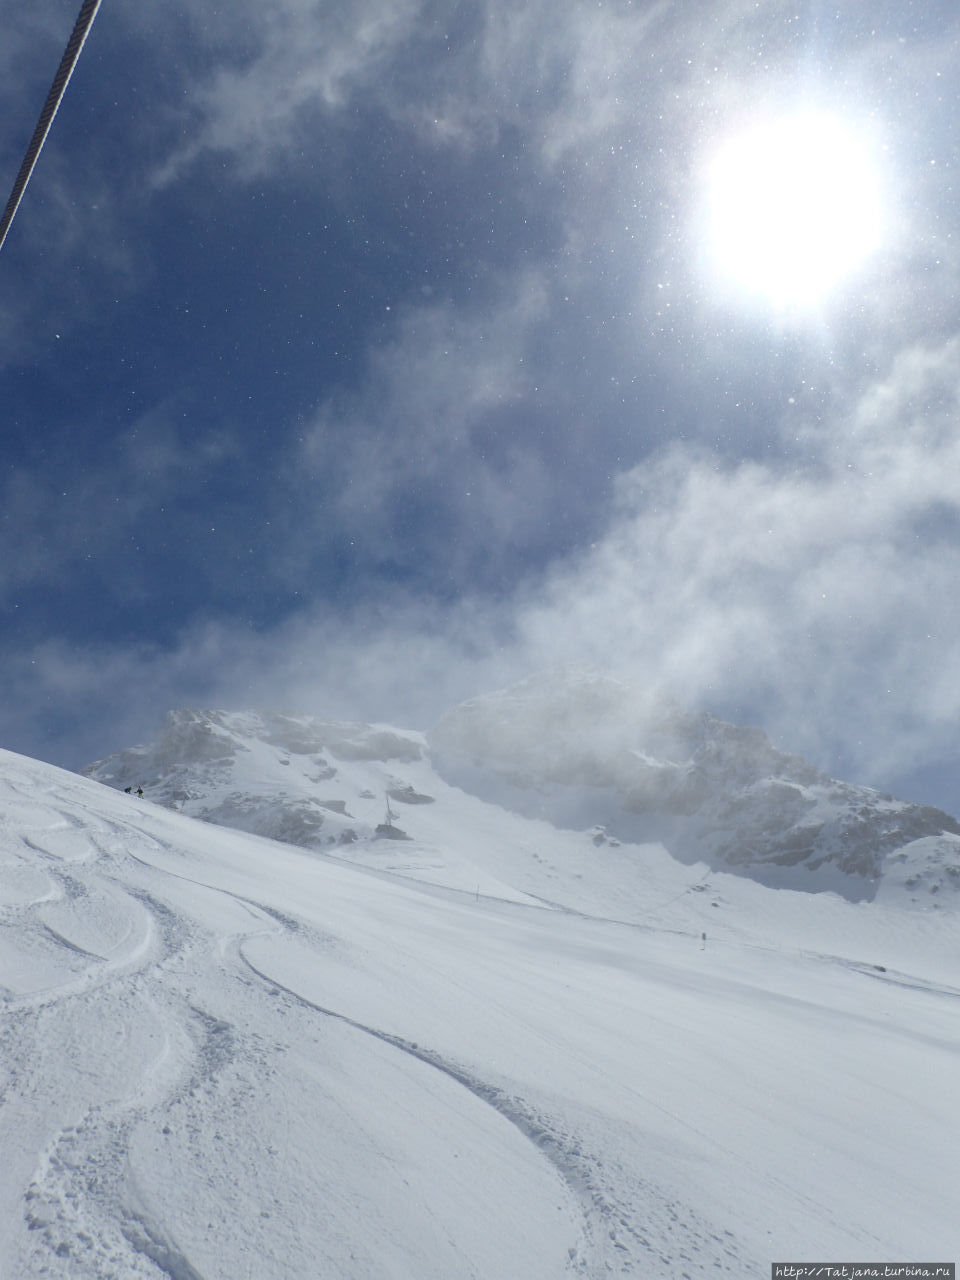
793,207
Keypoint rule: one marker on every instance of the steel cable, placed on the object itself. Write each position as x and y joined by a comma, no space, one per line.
60,81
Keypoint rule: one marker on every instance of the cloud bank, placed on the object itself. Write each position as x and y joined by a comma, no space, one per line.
817,599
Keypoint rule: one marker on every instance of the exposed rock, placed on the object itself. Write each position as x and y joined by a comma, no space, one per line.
408,795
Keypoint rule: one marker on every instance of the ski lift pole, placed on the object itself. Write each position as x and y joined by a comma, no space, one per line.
69,60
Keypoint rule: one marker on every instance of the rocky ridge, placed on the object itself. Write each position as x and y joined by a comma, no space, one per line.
583,752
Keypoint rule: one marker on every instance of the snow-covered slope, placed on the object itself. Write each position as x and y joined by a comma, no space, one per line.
580,752
225,1057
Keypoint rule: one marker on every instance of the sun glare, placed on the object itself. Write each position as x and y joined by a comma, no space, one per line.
793,206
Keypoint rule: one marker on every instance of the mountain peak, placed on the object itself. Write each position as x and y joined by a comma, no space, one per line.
600,752
581,750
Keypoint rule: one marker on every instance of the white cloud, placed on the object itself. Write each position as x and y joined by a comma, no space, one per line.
394,660
819,595
414,436
569,74
305,64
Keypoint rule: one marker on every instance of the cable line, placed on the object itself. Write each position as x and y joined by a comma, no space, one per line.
59,87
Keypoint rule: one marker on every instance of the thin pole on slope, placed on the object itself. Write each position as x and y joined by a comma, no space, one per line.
69,60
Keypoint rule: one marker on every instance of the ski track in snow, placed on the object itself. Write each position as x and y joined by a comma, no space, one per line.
606,1229
611,1242
79,1210
75,1205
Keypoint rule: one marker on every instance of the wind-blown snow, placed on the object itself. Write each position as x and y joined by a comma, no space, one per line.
584,747
497,1050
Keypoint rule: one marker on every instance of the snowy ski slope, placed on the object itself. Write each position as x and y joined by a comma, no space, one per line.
492,1052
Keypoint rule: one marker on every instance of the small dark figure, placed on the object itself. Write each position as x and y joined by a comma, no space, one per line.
127,790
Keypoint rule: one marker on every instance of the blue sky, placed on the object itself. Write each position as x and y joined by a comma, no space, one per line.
360,358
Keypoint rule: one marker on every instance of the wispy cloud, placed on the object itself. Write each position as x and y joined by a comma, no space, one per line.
300,66
431,450
569,74
817,595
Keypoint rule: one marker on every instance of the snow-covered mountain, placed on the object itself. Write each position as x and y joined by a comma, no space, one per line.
580,751
496,1049
595,750
294,778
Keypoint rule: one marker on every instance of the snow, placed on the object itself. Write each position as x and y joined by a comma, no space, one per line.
494,1051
